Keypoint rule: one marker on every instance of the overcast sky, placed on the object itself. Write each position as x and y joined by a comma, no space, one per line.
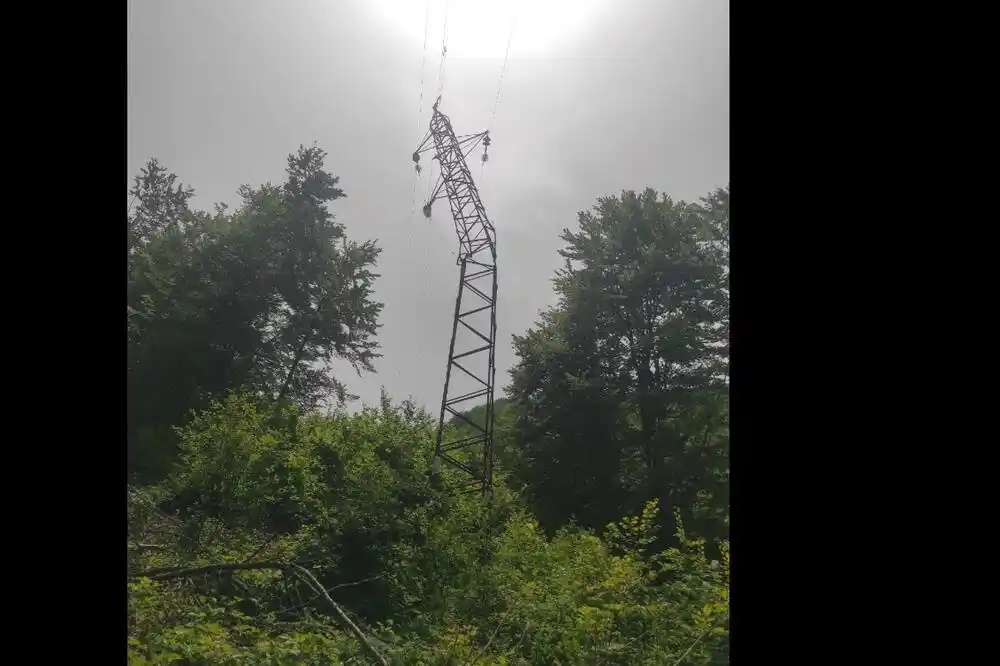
598,96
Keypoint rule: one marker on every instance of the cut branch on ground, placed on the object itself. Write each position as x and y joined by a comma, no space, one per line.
296,570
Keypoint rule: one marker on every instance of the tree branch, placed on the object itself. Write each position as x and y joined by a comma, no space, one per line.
300,572
485,647
267,542
691,647
311,581
357,582
513,650
166,573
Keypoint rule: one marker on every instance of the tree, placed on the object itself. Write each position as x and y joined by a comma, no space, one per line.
261,300
621,389
155,205
217,557
262,530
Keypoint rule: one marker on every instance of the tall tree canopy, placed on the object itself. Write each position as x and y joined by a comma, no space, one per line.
260,300
621,390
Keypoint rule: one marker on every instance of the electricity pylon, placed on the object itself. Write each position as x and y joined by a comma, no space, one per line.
475,323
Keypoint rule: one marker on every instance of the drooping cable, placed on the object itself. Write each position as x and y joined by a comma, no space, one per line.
444,51
496,102
420,112
423,63
413,196
503,70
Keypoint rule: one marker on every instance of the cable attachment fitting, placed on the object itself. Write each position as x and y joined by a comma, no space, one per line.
486,148
416,162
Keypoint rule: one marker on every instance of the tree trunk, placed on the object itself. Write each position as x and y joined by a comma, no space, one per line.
295,364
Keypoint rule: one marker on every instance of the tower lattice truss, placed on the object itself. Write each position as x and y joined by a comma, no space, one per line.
471,371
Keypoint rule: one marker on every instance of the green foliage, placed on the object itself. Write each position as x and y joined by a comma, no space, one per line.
349,496
620,392
478,413
258,300
570,563
168,626
344,489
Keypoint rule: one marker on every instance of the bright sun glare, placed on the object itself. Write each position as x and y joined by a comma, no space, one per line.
480,28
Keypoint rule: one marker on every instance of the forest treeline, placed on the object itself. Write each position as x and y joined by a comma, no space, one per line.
268,525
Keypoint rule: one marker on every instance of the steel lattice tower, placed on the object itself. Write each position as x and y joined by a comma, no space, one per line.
474,327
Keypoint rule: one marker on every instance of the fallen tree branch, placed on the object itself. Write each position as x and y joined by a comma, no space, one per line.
166,573
267,542
331,589
311,581
513,650
474,659
299,572
691,647
357,582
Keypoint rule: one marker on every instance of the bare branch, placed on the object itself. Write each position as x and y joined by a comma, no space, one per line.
513,650
485,647
311,581
300,572
263,546
167,573
357,582
691,647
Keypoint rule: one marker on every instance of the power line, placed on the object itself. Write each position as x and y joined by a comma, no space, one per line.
496,102
423,62
420,112
503,70
444,51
